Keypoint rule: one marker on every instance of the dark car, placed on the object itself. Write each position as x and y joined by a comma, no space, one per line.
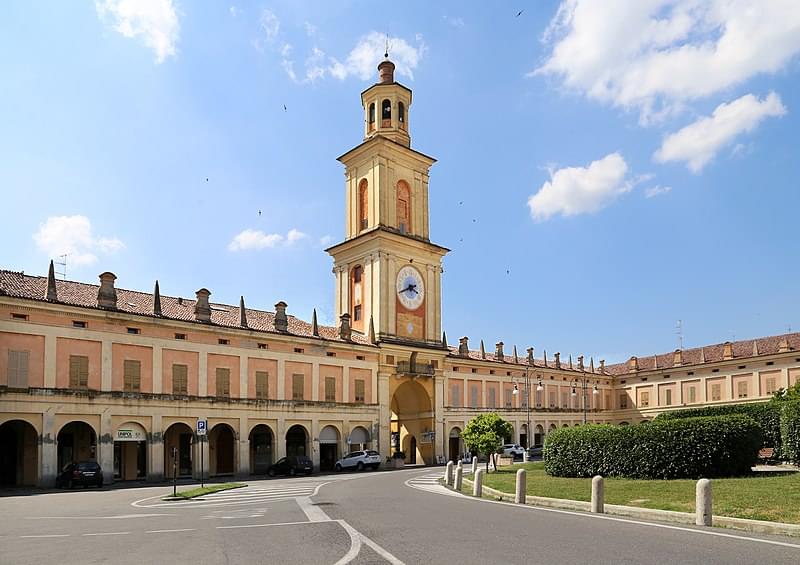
292,465
535,452
83,473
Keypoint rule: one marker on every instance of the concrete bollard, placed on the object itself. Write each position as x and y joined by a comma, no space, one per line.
477,483
598,495
525,456
702,501
459,477
448,475
474,465
519,495
460,464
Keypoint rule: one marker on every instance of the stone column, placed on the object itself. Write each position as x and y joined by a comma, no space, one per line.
314,441
105,447
703,515
155,452
367,302
598,495
280,440
49,469
438,418
477,485
459,476
243,468
519,495
389,296
385,415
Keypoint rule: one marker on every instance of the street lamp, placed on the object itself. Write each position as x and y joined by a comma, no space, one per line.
515,392
584,384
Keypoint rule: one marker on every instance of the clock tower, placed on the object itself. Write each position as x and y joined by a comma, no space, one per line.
387,269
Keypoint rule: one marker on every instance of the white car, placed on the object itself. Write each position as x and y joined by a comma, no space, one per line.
514,450
359,460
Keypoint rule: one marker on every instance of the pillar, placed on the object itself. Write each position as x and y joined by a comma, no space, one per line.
384,437
703,516
477,485
49,456
155,451
243,465
105,367
314,442
598,495
281,438
105,447
519,495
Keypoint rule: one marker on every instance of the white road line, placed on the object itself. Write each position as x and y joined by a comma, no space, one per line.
380,551
170,531
47,536
107,534
268,525
122,516
355,543
314,513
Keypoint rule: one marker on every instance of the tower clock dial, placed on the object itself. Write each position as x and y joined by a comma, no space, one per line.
410,288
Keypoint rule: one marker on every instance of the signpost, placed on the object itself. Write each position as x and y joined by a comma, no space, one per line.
174,471
202,427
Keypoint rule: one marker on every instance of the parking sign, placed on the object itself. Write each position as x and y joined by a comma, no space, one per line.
202,425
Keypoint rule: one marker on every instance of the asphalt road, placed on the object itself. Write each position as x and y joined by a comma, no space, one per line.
388,517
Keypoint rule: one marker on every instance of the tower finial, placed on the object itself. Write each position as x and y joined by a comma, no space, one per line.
386,49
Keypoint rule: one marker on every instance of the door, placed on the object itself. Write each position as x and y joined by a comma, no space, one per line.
454,444
327,456
412,457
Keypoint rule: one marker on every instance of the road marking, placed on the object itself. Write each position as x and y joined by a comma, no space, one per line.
122,516
624,520
47,536
355,543
313,512
170,531
268,525
107,534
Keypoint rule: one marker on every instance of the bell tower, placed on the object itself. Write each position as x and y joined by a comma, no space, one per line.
387,269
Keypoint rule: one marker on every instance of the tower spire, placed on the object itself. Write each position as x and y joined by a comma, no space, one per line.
156,300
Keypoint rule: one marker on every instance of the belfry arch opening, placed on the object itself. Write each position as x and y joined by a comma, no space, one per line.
412,424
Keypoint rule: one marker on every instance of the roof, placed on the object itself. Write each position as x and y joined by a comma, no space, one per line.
378,137
72,293
711,353
522,361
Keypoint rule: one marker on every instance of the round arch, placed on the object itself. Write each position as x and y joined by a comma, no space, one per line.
130,451
538,435
297,440
623,423
523,435
19,453
329,440
261,440
76,441
412,426
455,447
178,442
222,449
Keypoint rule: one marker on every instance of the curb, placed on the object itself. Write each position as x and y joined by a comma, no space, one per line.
755,526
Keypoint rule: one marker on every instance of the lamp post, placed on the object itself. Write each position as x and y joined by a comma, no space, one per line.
515,392
584,384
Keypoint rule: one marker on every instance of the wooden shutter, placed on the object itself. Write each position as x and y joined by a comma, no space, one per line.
18,369
132,371
330,389
298,387
78,371
262,389
223,382
360,396
180,379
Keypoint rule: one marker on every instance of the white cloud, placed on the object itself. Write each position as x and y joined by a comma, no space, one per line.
251,239
455,21
655,55
72,235
155,21
311,29
325,240
234,11
578,190
699,142
656,191
368,52
270,23
294,236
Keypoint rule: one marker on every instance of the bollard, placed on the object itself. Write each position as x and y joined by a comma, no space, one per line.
525,456
448,476
519,496
459,477
474,465
702,502
477,484
598,495
460,464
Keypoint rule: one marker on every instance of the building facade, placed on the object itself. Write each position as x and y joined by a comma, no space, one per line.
92,371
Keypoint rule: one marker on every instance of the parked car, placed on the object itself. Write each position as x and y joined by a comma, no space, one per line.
359,460
514,450
82,473
535,452
292,465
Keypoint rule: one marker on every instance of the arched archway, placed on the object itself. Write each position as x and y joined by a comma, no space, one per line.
260,449
328,447
551,428
222,450
455,449
411,423
358,439
19,454
130,452
76,441
296,440
538,436
178,441
523,435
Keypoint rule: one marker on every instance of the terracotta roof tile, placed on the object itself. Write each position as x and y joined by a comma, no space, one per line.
20,285
522,360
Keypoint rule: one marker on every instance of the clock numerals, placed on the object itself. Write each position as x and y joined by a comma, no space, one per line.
410,288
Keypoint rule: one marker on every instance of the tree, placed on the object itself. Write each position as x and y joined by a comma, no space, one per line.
787,394
485,434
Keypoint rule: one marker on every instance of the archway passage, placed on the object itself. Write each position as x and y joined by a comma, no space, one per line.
18,454
538,436
260,449
296,441
76,442
221,443
130,452
454,451
359,439
523,435
178,450
412,426
328,448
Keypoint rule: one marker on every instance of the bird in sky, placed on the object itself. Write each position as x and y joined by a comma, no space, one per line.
259,212
284,107
519,13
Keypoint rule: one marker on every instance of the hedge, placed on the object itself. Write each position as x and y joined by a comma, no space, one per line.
709,447
790,431
767,414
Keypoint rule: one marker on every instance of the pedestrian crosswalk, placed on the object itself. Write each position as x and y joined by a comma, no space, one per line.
255,494
429,482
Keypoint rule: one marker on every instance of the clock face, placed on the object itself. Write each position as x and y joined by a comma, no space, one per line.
410,288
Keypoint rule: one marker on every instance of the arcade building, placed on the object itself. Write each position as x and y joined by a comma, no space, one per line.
92,371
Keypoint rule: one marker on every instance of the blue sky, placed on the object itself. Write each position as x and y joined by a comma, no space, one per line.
601,174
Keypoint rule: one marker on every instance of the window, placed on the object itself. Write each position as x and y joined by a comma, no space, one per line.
262,346
298,350
565,400
78,371
180,379
134,331
360,394
403,207
454,400
741,389
668,397
474,370
716,392
180,336
357,274
330,354
539,395
223,382
132,375
552,399
371,117
330,389
492,398
18,368
78,324
360,357
363,205
771,384
508,398
262,386
623,401
692,395
222,341
386,114
473,396
644,399
16,316
401,114
298,387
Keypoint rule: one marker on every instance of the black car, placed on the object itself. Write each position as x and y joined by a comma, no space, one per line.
292,465
535,452
83,473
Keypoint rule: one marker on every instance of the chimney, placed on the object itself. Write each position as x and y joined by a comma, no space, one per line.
51,295
655,361
281,321
463,346
633,364
677,358
372,339
345,331
444,340
580,362
602,366
570,360
315,325
498,352
755,348
242,313
702,355
386,71
727,350
591,364
202,309
557,357
516,359
483,351
545,358
530,356
107,295
783,346
156,300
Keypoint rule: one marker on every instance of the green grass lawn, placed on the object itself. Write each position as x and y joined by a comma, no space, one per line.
195,492
773,498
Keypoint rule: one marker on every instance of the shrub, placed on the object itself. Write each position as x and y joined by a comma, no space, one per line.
718,446
790,431
767,414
